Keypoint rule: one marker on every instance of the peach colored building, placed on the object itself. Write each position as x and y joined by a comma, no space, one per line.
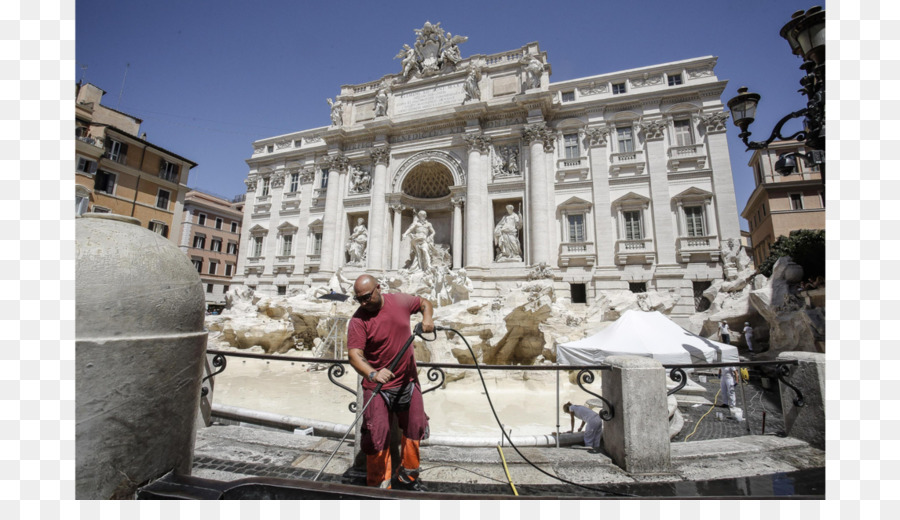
782,203
116,171
211,237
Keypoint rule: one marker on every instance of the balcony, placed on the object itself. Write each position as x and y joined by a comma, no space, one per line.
686,158
577,253
642,249
627,162
575,165
698,249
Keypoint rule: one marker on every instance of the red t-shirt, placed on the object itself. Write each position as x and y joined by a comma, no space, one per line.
383,334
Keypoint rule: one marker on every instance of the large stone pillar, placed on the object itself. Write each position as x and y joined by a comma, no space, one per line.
395,242
337,167
806,423
378,212
637,437
457,201
540,207
599,156
478,219
723,183
659,192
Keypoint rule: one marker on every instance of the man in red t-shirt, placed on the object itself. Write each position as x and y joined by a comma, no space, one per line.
375,335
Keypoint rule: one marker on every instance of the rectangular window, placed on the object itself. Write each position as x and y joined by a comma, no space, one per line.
282,290
257,246
579,292
168,171
796,201
286,244
218,223
99,209
159,228
216,245
576,228
199,241
86,166
198,265
264,189
105,182
213,267
571,145
693,216
637,287
317,243
324,184
81,204
231,248
625,140
618,88
225,288
116,151
209,287
568,96
633,229
764,210
201,219
674,79
295,182
683,134
228,269
234,227
162,199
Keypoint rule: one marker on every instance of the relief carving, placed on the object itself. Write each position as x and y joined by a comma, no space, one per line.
714,122
505,161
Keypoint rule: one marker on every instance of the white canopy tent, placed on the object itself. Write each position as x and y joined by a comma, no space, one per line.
647,334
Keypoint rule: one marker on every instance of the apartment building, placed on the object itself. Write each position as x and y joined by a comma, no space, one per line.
117,170
780,203
211,236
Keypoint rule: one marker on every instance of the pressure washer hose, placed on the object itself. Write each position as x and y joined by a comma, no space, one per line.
715,400
491,404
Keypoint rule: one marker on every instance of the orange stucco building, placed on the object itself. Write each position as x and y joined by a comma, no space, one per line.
782,203
116,171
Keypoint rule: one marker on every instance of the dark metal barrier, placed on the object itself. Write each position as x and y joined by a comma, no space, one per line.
783,369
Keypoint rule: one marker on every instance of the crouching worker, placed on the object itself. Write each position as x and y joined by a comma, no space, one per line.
594,431
376,334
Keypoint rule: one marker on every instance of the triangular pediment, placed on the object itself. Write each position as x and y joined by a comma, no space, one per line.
632,198
576,202
692,193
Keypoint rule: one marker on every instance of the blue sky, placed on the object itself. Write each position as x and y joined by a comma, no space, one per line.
208,78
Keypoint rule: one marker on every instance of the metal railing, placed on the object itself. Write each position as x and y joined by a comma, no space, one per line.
677,373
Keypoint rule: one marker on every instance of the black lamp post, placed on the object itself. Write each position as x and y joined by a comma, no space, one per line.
805,33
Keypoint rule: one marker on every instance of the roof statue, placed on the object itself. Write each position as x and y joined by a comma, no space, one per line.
433,52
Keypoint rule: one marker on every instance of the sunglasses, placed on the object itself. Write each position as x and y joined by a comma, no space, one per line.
363,298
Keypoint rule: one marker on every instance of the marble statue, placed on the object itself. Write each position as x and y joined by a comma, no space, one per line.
337,284
506,237
337,112
471,85
505,161
357,244
381,102
461,286
533,69
432,52
421,235
360,180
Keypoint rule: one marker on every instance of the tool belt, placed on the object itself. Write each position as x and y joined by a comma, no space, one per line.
398,399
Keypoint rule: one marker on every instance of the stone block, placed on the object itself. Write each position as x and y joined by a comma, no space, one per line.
805,422
637,437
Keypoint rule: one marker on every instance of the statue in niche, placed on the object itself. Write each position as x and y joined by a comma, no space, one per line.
534,68
471,85
360,180
506,236
421,235
356,245
381,102
337,112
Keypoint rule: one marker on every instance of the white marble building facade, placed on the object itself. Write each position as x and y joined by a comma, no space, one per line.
620,180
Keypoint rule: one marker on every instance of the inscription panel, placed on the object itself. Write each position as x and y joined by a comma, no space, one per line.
439,96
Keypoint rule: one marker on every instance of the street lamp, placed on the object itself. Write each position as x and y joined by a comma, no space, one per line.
805,33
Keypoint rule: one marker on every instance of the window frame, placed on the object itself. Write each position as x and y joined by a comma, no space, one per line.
213,268
201,219
572,233
799,201
629,224
571,147
295,183
619,88
199,239
89,163
682,127
234,226
675,79
168,171
621,140
256,246
690,224
215,245
567,97
168,199
287,244
219,222
111,180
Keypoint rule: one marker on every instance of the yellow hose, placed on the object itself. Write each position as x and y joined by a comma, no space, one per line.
513,486
715,400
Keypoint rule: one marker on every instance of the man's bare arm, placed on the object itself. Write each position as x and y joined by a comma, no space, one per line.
363,368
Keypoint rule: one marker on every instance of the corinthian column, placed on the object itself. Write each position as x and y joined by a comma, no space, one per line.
541,141
395,243
337,169
378,213
478,220
457,202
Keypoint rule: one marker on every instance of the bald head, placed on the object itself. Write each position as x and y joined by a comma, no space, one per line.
364,284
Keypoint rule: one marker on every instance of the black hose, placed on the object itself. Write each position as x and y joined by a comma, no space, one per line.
488,395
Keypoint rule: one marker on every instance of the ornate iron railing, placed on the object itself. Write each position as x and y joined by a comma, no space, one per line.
434,373
677,373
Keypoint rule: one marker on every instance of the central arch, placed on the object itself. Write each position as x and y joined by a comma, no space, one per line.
430,162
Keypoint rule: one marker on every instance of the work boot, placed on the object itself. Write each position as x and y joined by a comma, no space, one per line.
409,480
